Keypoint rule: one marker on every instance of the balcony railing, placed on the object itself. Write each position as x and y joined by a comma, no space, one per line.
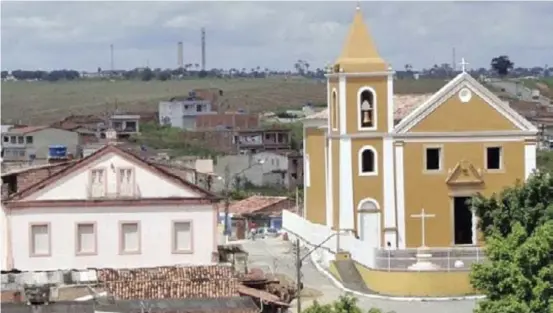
98,191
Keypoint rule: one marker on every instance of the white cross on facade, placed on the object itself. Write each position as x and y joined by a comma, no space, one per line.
463,64
423,216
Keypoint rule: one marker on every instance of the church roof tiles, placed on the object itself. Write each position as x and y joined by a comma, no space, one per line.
403,105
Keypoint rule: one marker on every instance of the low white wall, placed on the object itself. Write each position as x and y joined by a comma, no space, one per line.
315,234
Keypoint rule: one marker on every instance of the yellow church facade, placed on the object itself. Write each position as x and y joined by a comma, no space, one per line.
375,162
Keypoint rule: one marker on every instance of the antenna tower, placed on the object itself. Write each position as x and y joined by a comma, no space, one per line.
203,49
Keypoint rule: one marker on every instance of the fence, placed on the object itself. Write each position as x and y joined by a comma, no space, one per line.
448,259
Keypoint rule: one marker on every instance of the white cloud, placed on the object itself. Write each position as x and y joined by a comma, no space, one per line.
269,34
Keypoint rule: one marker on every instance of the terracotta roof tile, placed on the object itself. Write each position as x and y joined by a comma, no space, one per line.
27,129
254,203
213,281
403,105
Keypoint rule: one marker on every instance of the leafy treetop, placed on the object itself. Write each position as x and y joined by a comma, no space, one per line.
344,304
518,229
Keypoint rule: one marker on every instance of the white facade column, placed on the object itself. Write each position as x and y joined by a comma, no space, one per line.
530,148
346,206
400,195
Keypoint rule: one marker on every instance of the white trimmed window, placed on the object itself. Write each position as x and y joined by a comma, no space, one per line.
126,182
86,238
40,240
182,237
334,110
494,158
130,238
97,183
368,161
433,159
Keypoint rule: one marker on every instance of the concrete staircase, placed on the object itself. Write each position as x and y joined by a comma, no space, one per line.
350,276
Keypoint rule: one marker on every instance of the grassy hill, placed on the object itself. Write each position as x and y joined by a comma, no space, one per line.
46,102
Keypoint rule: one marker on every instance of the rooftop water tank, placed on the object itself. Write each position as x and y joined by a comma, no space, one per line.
57,151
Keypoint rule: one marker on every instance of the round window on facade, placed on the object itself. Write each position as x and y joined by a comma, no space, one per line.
465,95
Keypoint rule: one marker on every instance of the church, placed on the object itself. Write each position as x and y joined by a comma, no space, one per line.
396,171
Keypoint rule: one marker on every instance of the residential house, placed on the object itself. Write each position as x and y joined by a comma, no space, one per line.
32,143
124,124
257,140
258,211
279,169
181,112
110,209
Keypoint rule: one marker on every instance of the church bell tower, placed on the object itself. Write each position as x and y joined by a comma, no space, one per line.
360,150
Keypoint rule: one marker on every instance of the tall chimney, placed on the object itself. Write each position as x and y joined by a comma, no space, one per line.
180,57
203,49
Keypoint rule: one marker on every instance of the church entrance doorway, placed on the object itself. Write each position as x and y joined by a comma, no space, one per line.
369,230
368,223
462,221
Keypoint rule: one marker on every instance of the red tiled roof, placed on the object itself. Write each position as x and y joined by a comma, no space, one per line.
171,282
403,105
261,295
27,129
254,203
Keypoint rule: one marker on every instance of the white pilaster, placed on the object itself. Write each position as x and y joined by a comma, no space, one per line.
390,111
346,207
342,105
400,195
328,191
346,185
390,235
330,185
529,158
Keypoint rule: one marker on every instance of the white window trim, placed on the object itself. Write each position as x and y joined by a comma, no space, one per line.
307,170
424,160
501,168
360,161
334,109
375,108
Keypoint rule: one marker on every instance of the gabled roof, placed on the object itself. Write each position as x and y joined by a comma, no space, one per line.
462,80
120,152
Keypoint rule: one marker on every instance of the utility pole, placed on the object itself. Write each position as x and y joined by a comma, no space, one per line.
299,261
227,178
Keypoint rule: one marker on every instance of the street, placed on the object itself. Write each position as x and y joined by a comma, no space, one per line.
277,256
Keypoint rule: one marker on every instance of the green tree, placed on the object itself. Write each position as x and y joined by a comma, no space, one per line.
502,65
544,160
518,230
344,304
147,74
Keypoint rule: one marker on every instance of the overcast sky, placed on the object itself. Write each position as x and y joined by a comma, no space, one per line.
77,35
